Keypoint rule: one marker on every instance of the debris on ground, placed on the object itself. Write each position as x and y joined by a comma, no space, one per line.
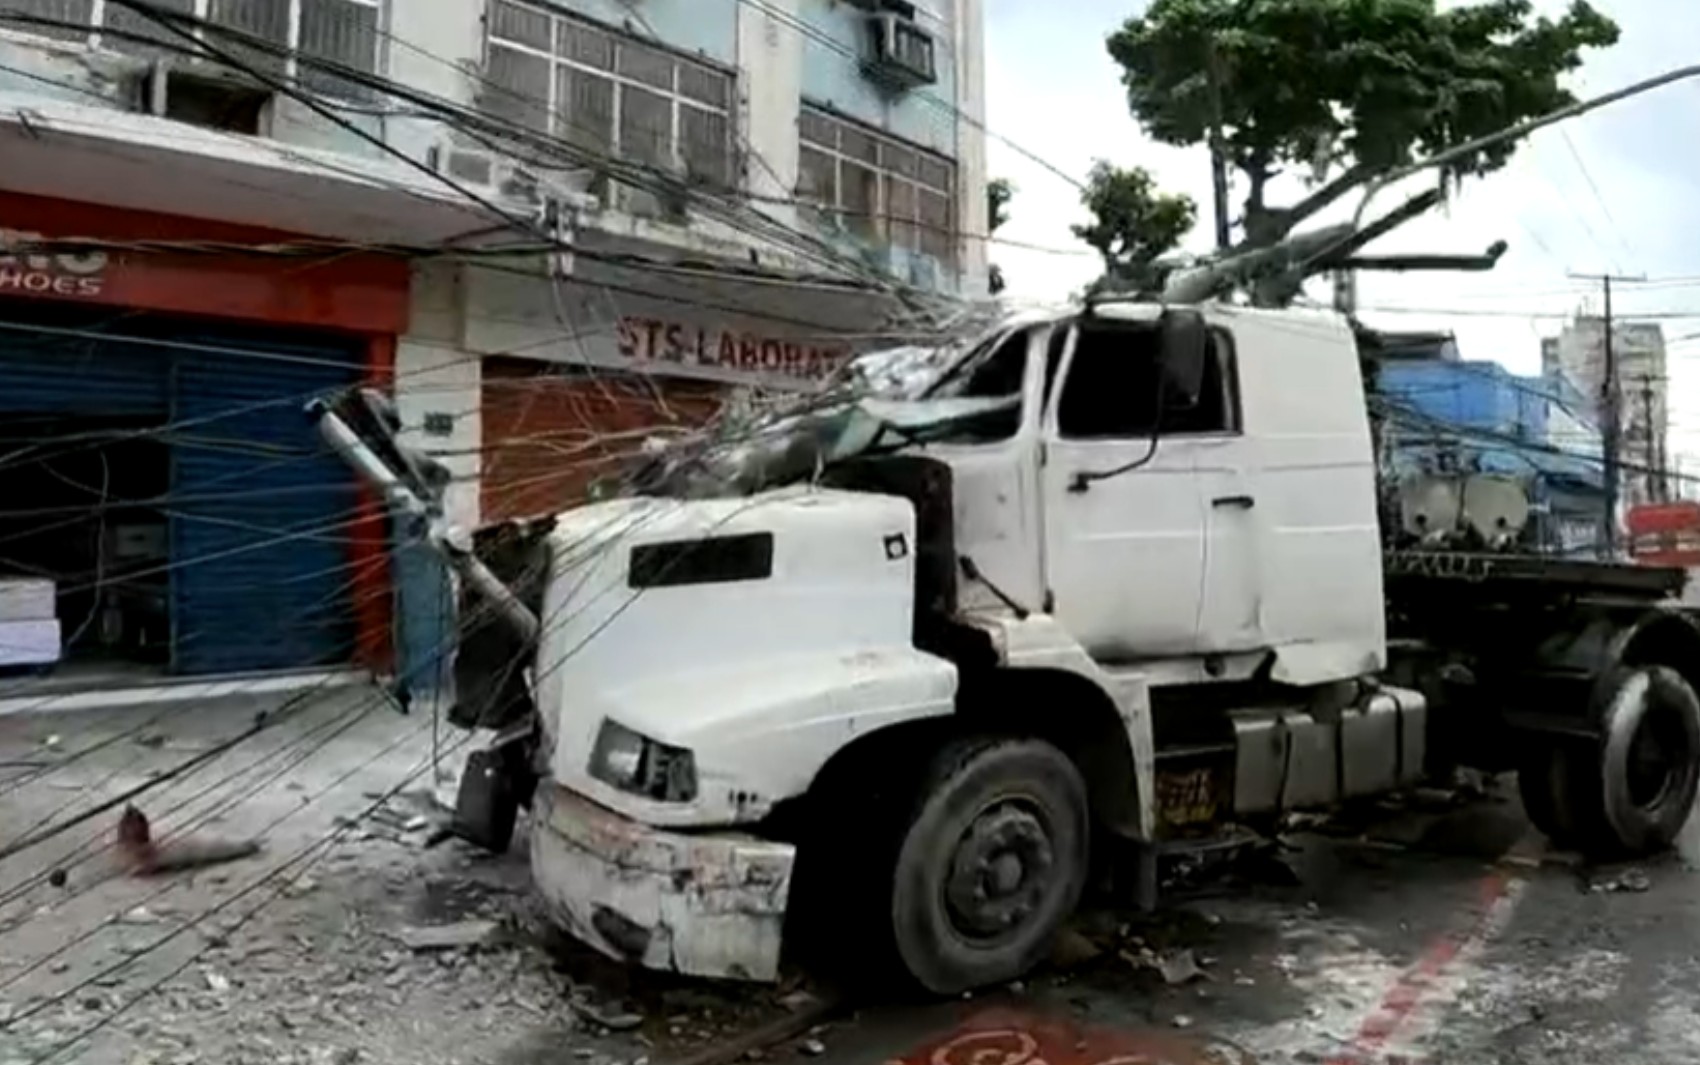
1072,949
1176,967
1632,881
800,999
1179,967
615,1020
462,935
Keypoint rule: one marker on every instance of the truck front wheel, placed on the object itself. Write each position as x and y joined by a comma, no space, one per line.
1630,791
992,862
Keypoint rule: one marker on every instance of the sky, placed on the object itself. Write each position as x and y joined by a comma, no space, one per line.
1617,190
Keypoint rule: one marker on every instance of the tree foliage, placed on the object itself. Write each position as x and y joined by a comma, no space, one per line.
1346,88
1133,223
999,191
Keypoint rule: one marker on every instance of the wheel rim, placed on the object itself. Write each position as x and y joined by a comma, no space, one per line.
1657,754
1001,870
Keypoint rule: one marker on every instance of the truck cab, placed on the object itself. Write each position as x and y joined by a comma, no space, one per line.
975,592
910,660
1199,530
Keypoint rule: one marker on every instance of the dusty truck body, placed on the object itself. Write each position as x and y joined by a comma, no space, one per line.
1113,574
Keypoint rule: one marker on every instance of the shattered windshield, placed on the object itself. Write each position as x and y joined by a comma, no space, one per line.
962,392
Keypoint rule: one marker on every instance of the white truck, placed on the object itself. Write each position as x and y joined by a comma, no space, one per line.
1117,573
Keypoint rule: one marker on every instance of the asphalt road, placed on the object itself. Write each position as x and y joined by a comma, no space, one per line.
1428,935
1437,932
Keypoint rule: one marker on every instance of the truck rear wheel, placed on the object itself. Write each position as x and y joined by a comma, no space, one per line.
1630,791
991,864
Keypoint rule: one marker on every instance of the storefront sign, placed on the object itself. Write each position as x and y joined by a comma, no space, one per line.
729,351
26,272
356,292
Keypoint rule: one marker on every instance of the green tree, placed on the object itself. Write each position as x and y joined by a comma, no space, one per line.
1344,89
999,191
1133,223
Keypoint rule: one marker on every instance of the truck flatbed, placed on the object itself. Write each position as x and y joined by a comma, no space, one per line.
1406,570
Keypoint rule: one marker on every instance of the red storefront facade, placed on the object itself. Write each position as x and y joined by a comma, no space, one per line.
204,338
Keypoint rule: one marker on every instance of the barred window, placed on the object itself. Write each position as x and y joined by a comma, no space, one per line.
609,93
876,186
344,32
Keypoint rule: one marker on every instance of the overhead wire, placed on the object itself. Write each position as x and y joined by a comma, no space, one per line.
1599,200
34,838
199,46
315,848
143,12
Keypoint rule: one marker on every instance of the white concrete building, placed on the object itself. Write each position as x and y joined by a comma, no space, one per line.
1638,351
744,185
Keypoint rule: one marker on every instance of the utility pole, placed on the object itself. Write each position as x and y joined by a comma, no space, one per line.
1649,447
1611,412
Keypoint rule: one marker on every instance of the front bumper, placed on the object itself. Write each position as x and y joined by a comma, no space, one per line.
702,905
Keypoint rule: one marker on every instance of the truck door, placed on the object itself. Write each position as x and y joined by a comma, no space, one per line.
1124,518
1227,463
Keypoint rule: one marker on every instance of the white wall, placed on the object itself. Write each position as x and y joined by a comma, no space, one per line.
770,79
434,374
973,211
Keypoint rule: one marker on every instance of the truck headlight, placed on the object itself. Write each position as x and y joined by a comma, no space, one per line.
633,762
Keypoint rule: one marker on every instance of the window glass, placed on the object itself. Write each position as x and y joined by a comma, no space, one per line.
1115,388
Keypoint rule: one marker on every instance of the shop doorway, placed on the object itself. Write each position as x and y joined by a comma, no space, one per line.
82,509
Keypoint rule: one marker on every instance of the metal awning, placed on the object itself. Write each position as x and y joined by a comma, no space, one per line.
104,156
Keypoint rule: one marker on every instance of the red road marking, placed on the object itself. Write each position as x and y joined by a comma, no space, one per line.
1017,1037
1408,992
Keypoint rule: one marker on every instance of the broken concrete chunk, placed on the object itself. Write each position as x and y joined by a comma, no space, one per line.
1630,880
612,1019
1179,967
1072,948
459,936
797,1001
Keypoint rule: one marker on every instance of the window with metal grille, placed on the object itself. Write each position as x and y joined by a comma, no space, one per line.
609,93
344,32
876,186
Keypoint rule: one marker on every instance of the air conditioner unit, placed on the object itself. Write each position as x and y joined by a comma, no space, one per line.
900,52
487,173
506,180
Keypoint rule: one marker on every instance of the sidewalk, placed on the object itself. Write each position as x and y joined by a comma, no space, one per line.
297,954
345,940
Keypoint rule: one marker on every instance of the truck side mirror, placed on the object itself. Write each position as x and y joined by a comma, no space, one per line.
1186,344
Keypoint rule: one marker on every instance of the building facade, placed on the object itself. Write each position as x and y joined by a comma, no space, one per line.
1638,352
552,229
1455,416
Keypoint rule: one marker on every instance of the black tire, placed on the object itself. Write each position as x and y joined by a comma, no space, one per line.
1630,792
991,863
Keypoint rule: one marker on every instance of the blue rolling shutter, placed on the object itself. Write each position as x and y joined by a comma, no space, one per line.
260,529
56,366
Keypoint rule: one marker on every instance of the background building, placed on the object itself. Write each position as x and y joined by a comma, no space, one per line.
1638,351
1445,416
553,229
